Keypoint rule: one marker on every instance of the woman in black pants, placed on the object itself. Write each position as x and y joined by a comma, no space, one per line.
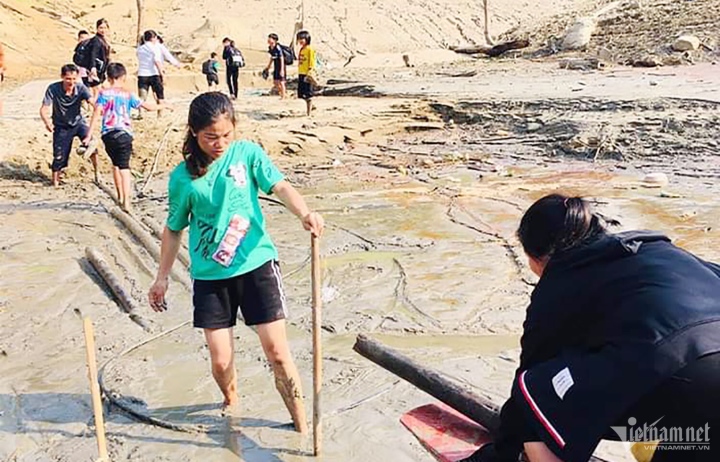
99,56
621,341
232,66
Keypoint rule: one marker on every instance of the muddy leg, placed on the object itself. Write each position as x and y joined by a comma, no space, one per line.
117,178
222,357
126,187
94,160
287,380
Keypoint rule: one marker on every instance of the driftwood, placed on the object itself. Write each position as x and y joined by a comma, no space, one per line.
493,51
157,231
351,90
146,240
477,408
127,303
581,64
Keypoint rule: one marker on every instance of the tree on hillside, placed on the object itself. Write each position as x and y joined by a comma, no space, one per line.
488,37
140,8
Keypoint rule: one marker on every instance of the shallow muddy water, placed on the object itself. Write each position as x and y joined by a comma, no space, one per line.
428,267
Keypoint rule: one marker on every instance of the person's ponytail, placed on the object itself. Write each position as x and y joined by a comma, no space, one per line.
556,223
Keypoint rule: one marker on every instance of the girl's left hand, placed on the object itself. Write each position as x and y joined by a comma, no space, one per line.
314,223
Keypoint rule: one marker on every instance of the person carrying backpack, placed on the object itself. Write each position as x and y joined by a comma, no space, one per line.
211,69
280,56
234,60
96,57
79,55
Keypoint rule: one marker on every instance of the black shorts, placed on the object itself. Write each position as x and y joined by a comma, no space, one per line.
279,74
258,294
118,144
305,88
62,143
155,82
96,83
212,79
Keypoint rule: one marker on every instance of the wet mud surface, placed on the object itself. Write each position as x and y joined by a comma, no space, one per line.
419,253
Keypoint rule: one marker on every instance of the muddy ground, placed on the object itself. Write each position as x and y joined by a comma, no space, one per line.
422,189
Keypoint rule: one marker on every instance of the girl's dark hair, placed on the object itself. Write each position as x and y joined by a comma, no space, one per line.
205,109
100,22
556,223
149,35
274,36
305,35
115,71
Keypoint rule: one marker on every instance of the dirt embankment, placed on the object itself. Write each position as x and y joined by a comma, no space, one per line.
634,31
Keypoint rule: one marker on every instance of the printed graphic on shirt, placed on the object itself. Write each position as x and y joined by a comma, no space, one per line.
234,235
117,105
239,174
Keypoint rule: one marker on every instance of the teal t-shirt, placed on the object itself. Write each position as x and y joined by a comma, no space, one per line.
227,228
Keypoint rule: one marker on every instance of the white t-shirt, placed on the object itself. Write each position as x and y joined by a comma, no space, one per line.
148,54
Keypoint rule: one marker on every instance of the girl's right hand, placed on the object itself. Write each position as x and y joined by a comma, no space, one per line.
156,295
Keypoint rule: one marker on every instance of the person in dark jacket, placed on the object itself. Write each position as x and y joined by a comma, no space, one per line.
621,341
99,51
233,62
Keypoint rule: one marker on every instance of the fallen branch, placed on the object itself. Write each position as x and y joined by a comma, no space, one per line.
493,51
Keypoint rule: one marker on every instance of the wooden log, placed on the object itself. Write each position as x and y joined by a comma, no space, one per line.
581,64
477,408
157,230
127,303
147,241
493,51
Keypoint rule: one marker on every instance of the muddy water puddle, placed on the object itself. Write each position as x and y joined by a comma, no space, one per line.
432,269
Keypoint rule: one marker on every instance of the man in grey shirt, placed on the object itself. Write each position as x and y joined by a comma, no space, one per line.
65,98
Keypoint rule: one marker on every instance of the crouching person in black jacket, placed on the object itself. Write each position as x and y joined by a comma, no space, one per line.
621,341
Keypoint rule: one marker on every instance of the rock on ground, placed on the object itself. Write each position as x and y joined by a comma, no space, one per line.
579,34
686,43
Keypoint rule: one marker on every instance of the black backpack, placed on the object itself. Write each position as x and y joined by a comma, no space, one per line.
207,67
81,57
288,54
236,58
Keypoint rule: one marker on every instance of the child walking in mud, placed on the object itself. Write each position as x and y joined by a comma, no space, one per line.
234,263
114,104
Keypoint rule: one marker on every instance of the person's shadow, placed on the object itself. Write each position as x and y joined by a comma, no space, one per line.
51,414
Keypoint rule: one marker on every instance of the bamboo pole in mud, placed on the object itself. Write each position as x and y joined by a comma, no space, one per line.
95,389
316,276
477,408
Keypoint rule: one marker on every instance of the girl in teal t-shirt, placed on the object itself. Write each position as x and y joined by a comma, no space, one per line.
234,264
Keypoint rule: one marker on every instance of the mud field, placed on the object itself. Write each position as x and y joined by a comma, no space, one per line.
422,190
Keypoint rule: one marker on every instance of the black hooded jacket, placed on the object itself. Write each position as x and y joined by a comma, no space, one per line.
623,313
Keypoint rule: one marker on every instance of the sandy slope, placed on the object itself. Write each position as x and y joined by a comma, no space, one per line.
40,33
